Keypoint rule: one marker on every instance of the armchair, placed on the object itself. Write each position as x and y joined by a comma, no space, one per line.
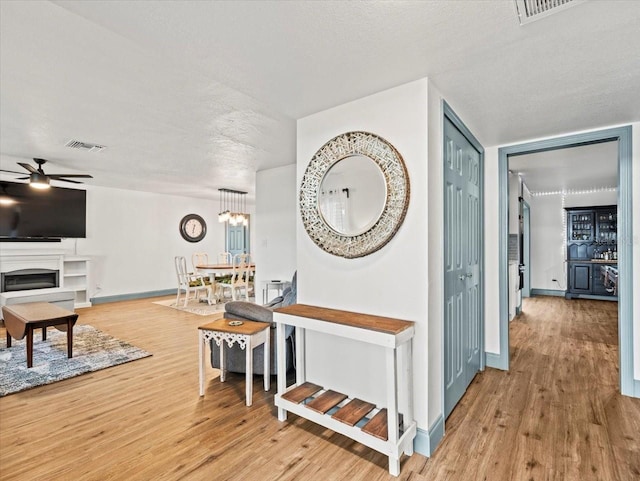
242,310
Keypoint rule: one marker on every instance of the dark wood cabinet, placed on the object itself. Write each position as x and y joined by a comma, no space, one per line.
580,278
591,250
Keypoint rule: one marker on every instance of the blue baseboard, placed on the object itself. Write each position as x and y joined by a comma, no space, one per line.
135,295
636,388
425,443
547,292
496,361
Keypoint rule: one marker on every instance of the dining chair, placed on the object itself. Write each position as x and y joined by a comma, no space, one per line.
189,282
199,259
241,278
224,258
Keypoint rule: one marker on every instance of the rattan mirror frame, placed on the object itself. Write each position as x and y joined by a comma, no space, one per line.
396,177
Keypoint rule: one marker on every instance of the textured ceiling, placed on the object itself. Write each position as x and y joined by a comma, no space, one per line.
192,96
580,168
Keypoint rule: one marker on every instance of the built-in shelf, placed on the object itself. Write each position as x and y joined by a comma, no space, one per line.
76,277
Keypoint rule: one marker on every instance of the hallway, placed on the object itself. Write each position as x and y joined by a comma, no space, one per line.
557,414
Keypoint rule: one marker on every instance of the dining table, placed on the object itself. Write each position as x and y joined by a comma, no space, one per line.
219,269
213,270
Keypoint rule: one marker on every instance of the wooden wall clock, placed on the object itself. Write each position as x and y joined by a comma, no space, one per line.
193,228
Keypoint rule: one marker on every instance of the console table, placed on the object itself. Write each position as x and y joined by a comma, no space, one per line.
384,429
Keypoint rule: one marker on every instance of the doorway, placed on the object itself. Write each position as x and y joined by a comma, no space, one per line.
463,259
621,135
237,239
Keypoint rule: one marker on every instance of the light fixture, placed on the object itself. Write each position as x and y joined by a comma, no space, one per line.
39,181
232,207
6,199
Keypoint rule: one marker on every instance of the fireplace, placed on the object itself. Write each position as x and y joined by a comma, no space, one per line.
26,279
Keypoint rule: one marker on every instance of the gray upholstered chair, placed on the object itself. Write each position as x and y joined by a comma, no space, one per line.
242,310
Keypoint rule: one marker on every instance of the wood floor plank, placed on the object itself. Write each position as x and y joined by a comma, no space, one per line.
556,415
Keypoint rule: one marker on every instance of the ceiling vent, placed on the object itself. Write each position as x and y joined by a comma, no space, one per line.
531,10
87,147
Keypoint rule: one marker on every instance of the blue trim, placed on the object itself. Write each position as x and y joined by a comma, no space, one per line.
625,235
495,361
425,443
128,297
547,292
503,266
593,297
636,388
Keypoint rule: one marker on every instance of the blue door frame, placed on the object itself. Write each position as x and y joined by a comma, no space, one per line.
628,386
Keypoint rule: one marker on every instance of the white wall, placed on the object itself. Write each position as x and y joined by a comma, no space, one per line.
547,243
390,282
492,324
133,237
275,226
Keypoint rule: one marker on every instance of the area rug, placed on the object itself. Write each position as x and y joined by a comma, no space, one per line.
92,350
194,307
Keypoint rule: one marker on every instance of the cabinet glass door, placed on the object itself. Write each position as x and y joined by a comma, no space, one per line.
581,226
607,227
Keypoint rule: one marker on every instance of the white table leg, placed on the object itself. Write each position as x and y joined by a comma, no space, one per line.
222,362
408,416
301,371
249,370
267,358
201,359
392,408
282,375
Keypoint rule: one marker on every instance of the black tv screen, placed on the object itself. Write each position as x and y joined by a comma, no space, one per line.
52,213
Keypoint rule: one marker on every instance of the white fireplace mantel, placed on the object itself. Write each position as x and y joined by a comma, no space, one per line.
73,269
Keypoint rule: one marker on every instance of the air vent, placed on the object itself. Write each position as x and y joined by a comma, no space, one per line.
531,10
87,147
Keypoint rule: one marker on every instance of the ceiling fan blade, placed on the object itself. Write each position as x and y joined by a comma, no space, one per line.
29,167
11,171
61,176
23,178
67,180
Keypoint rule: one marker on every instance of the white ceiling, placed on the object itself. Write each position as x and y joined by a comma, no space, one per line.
193,96
582,168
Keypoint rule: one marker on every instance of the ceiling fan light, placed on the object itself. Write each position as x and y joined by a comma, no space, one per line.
6,200
39,181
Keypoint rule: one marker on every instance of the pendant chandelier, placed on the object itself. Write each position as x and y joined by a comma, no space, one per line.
233,207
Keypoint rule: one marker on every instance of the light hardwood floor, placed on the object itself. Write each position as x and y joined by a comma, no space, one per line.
555,416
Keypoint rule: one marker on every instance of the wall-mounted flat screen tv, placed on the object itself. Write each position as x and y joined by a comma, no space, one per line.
32,214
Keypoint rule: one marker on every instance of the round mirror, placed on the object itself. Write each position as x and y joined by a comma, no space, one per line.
369,180
352,195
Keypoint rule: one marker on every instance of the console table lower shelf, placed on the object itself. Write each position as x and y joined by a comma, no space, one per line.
389,430
360,420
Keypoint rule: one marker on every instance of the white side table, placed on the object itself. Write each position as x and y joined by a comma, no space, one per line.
248,335
277,286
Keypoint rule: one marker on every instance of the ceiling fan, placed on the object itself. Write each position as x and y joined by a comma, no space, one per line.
40,180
